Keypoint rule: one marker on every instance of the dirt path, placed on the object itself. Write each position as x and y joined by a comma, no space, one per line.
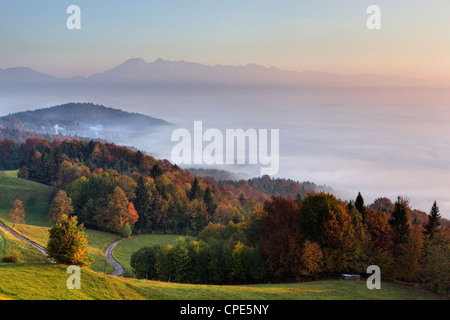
20,237
118,270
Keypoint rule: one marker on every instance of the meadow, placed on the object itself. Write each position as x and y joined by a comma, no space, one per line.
36,278
48,282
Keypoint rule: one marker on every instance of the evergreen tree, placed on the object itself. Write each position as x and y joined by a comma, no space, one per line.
399,221
47,168
434,222
195,190
156,171
34,161
142,204
359,204
208,199
298,199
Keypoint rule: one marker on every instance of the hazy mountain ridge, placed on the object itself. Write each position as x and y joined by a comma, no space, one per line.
137,71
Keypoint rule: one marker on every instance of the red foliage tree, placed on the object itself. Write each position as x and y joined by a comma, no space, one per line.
280,239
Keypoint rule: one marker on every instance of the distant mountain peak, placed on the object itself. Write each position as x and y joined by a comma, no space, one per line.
138,71
134,62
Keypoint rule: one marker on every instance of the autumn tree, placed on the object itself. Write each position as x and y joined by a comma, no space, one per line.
280,239
409,263
22,173
117,213
60,205
17,213
382,204
380,241
197,215
338,241
159,210
311,259
67,242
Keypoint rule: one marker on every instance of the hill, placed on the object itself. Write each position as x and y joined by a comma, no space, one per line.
35,196
83,119
22,136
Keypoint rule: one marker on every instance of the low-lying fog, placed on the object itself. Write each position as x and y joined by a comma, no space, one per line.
381,142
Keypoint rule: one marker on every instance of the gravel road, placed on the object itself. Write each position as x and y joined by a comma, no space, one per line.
18,236
118,270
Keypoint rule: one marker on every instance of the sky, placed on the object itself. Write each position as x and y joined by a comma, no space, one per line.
327,36
382,143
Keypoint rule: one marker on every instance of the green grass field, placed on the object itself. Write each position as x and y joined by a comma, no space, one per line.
35,197
28,253
48,282
124,250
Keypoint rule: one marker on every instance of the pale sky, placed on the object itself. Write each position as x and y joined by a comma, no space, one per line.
327,35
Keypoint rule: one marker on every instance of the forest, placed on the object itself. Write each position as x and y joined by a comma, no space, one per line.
249,231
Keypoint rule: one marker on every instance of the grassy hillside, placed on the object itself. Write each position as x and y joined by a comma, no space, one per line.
35,197
45,281
28,253
124,250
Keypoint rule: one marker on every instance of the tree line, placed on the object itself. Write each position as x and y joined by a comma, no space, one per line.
315,237
115,189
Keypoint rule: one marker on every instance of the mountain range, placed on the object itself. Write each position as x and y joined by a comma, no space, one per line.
162,72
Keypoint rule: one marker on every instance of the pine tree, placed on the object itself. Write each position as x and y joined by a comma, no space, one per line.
195,190
208,199
142,204
433,221
46,169
156,171
399,221
299,199
359,204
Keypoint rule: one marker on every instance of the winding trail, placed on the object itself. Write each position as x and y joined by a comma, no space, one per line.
20,237
118,270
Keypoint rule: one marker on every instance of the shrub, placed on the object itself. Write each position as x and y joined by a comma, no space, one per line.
12,256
